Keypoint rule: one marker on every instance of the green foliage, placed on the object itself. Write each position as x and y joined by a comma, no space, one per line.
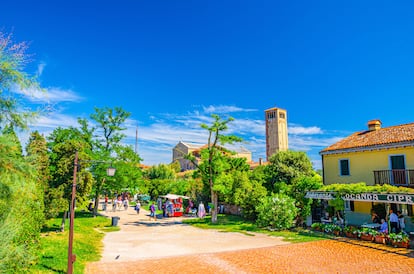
276,212
128,172
298,189
110,123
176,166
13,58
332,228
362,187
37,156
161,171
399,237
242,191
351,229
9,130
21,212
63,145
215,158
285,167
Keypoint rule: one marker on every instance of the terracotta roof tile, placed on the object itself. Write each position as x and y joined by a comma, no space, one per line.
383,136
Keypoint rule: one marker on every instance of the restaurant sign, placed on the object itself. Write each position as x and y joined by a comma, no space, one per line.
320,195
392,198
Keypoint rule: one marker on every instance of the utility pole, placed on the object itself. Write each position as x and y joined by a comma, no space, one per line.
136,141
71,256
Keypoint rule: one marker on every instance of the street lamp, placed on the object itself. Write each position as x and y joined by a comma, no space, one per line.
110,171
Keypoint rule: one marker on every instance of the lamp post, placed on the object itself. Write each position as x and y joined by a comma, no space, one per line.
72,257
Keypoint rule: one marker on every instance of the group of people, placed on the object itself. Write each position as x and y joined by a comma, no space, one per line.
337,219
120,202
397,221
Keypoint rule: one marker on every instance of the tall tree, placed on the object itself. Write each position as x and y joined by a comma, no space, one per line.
109,127
21,214
37,155
63,144
214,158
9,131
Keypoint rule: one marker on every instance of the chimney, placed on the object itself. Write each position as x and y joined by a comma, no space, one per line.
374,125
260,161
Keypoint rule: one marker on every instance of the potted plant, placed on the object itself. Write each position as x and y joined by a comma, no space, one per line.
366,234
329,228
318,226
380,238
400,239
351,231
336,229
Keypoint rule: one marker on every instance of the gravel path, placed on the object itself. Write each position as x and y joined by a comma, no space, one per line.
168,246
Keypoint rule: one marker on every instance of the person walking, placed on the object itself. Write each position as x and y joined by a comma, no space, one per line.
105,207
152,212
201,210
138,207
126,203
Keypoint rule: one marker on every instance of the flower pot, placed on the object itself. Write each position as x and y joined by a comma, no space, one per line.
379,239
367,237
400,244
351,235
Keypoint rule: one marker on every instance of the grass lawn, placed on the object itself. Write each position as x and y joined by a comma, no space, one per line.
230,223
87,243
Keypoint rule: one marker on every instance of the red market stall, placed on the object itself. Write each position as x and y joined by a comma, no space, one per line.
177,203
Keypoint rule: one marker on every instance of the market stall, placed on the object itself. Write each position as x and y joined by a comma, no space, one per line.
176,202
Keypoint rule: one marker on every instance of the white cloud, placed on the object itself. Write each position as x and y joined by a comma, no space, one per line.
304,130
40,68
50,95
225,109
54,120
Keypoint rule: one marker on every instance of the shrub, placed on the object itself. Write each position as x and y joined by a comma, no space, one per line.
276,212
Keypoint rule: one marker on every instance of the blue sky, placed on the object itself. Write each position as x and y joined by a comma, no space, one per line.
333,65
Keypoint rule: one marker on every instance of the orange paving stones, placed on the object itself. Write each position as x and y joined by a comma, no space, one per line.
142,255
326,256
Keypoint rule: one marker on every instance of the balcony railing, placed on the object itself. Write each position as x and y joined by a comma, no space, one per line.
396,177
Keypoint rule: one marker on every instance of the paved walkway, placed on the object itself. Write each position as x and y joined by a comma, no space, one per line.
168,246
141,238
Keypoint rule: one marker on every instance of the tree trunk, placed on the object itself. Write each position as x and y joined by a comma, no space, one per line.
98,190
95,207
214,201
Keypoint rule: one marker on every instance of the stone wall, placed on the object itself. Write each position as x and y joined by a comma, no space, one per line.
231,209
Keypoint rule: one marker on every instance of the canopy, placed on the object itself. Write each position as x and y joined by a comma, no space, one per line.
174,196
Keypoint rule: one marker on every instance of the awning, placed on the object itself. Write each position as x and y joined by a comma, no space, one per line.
174,196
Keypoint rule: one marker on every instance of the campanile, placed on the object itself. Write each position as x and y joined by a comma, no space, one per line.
276,131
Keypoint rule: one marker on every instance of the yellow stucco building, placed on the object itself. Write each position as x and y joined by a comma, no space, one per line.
375,156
